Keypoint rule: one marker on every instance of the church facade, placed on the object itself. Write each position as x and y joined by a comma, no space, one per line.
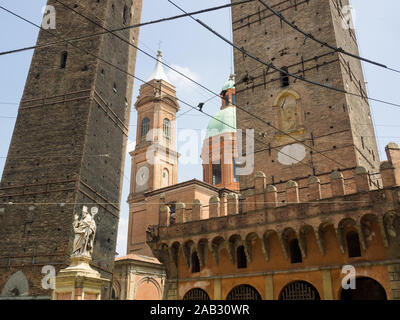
154,181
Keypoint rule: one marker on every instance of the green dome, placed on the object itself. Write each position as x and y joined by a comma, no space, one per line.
229,84
224,121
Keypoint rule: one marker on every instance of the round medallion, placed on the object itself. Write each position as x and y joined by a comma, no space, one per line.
142,175
292,154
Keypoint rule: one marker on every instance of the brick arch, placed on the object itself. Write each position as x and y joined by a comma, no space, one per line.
299,290
148,288
215,246
374,290
116,286
244,292
196,294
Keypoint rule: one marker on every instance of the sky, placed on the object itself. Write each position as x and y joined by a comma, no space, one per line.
199,54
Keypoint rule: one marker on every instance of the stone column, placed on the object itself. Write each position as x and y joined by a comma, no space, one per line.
79,281
269,287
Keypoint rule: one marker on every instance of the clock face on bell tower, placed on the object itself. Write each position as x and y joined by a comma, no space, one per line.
142,178
155,136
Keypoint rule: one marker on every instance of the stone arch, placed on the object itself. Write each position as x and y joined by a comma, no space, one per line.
16,286
265,246
302,237
320,234
367,288
234,242
391,221
148,288
299,290
366,221
188,248
350,236
202,249
216,245
248,245
286,236
115,290
196,294
244,292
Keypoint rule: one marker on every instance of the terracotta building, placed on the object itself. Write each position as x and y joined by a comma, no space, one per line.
154,187
319,205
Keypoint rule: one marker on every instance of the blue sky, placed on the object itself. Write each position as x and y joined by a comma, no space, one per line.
199,54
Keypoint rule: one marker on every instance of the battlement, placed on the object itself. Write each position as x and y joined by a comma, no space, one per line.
263,197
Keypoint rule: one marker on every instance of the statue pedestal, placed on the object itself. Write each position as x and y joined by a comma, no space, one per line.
79,281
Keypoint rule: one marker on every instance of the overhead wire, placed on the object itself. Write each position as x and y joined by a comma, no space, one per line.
141,80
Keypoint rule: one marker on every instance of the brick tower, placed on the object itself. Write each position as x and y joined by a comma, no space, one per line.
154,160
68,146
337,126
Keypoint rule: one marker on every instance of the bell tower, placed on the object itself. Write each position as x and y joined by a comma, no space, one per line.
69,143
154,160
313,130
219,151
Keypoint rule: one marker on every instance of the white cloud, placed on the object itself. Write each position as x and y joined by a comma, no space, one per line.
180,81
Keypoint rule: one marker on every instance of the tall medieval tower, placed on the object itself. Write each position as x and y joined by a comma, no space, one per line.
311,130
68,146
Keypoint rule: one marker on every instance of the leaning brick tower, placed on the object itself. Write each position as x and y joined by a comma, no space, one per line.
313,130
69,144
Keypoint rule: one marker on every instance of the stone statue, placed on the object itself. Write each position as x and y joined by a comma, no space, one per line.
289,114
85,231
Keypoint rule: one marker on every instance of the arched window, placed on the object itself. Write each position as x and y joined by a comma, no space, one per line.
125,15
243,292
195,263
63,61
113,294
299,290
216,173
284,77
165,178
295,252
353,244
167,128
145,127
196,294
241,258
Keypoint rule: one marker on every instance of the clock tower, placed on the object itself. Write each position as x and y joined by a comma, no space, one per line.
154,160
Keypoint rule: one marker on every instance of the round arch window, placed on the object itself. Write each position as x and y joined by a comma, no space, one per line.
299,290
244,292
196,294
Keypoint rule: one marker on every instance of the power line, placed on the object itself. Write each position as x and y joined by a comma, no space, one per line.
128,27
128,73
280,70
277,69
267,64
325,44
149,55
134,46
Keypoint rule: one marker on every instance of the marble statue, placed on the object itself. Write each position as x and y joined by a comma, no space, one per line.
85,231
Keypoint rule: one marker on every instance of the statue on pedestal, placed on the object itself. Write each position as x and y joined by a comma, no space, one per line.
85,231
